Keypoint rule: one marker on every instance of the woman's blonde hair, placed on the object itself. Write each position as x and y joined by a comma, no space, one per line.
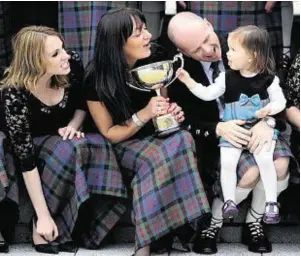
29,62
256,41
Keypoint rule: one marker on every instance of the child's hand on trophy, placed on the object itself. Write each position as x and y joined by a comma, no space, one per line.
185,78
183,75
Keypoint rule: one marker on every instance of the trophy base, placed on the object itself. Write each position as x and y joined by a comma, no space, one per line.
165,125
165,133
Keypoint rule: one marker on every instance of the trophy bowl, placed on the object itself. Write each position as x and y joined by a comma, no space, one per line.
155,76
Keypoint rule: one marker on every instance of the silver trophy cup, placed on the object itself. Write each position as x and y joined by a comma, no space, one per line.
154,77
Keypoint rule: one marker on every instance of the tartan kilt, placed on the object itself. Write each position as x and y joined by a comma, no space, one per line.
8,180
226,16
73,171
167,188
247,160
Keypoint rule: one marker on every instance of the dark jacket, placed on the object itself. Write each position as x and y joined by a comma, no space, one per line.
202,116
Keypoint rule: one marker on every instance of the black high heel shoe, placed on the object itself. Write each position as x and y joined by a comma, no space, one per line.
44,248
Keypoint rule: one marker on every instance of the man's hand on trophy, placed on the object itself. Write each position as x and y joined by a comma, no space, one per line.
157,106
176,111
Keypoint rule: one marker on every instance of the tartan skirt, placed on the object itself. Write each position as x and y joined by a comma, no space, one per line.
73,171
8,180
247,160
167,188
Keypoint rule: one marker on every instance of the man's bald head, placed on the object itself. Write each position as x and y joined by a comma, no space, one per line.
194,36
182,24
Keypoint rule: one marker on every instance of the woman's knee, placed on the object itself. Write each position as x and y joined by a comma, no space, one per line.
281,166
250,178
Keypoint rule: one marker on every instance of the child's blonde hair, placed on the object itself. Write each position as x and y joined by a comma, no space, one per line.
256,41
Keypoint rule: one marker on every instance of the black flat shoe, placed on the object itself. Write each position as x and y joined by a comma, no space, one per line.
163,244
46,248
254,236
68,247
4,248
205,242
43,248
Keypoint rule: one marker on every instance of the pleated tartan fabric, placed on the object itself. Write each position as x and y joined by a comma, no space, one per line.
167,188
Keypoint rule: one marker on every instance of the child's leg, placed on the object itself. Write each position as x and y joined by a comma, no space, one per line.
229,160
267,171
269,179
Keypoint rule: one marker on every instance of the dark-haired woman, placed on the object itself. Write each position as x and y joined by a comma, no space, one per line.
167,189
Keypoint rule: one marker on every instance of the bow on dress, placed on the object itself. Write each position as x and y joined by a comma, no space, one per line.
255,100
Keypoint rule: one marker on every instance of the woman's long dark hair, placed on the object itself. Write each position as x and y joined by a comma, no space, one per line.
108,68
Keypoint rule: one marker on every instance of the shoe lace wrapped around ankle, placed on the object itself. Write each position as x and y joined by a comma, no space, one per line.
256,231
210,232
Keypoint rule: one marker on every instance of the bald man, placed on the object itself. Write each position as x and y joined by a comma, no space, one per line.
205,57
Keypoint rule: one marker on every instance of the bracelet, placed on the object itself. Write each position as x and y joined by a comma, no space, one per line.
137,121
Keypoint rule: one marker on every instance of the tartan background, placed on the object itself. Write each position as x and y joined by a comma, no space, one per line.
78,22
167,189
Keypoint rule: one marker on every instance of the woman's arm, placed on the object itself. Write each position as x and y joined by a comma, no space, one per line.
293,116
78,119
118,133
18,126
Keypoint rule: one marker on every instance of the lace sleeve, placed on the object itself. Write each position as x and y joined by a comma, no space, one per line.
292,87
17,124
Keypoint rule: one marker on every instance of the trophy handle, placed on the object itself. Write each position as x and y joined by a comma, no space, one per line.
176,57
137,88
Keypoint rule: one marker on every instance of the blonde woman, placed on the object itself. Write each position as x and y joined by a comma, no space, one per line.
62,167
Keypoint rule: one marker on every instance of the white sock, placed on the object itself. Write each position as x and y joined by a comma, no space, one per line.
217,215
241,194
229,160
267,171
258,204
258,201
